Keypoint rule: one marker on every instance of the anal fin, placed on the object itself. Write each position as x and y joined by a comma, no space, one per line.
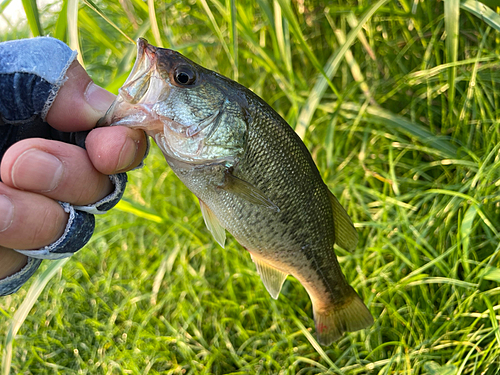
346,235
213,224
272,278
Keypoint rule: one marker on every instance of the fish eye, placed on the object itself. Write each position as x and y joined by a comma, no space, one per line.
184,76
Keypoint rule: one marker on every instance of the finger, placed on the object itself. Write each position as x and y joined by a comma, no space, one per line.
11,262
28,220
80,103
116,149
57,170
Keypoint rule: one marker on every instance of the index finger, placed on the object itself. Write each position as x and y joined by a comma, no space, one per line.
80,103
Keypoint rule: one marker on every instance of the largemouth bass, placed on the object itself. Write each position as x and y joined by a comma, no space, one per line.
252,175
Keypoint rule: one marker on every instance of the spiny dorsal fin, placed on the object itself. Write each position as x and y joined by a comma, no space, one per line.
345,233
213,224
248,192
272,278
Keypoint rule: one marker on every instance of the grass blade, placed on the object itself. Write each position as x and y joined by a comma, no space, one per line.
218,31
442,280
451,21
399,123
466,231
73,39
126,205
154,23
24,309
491,273
331,68
493,319
282,37
292,21
234,37
316,345
4,4
31,10
96,9
62,22
483,12
90,25
354,66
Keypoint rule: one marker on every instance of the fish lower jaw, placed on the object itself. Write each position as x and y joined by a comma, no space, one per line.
129,122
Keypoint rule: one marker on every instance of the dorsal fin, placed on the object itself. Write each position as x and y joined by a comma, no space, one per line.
272,278
345,233
213,224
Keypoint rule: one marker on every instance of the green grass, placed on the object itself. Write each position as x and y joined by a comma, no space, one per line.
401,116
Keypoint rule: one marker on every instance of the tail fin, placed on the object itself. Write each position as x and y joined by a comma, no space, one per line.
332,323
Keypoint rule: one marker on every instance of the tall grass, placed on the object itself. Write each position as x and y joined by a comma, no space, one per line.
397,102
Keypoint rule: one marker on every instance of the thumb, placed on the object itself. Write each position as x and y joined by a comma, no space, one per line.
80,103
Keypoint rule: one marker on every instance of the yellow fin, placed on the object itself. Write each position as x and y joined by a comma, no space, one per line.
272,278
248,192
331,324
346,235
213,224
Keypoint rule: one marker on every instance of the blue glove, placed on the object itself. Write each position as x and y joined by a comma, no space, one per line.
31,73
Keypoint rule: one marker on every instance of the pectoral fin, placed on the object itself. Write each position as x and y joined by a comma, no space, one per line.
213,224
272,278
345,233
248,192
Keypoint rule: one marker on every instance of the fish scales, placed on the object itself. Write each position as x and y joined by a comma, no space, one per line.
253,175
254,227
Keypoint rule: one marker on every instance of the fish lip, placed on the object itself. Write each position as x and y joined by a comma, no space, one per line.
129,115
140,115
143,47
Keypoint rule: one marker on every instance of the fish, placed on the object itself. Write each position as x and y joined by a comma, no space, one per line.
253,177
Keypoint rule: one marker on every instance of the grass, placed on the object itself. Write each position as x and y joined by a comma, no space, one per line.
397,102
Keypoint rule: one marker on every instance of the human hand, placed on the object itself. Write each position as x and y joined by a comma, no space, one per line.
36,173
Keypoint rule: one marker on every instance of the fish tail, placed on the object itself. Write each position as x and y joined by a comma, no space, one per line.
332,322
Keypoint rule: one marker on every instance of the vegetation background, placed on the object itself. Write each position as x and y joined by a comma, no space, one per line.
398,102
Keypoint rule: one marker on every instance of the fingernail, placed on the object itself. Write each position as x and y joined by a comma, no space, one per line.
37,171
127,154
98,98
6,213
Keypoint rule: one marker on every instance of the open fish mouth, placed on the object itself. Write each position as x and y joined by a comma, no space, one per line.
137,86
135,104
139,106
144,86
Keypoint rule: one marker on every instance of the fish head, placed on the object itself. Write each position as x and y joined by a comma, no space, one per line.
194,115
